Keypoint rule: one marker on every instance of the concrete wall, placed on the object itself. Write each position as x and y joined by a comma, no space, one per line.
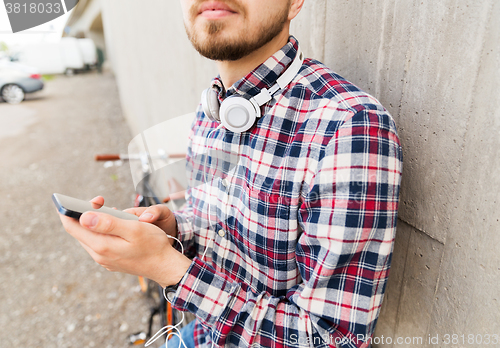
435,65
160,76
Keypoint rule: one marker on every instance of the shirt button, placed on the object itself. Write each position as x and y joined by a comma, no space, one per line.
224,182
222,233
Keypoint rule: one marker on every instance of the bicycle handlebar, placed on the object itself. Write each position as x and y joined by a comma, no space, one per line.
176,155
116,157
107,157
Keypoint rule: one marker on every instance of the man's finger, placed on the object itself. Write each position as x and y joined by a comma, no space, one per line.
109,225
97,258
97,202
135,211
68,223
155,213
89,250
91,239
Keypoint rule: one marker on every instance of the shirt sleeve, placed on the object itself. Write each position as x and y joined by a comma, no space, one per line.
348,215
184,217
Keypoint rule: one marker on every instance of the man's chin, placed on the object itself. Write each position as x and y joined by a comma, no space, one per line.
212,34
220,50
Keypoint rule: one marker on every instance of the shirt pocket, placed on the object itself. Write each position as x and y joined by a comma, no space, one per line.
270,209
269,240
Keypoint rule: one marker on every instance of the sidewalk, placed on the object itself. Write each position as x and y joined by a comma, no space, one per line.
52,293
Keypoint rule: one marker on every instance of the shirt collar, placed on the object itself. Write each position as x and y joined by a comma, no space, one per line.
263,76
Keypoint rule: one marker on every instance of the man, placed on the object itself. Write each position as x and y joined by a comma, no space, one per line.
293,243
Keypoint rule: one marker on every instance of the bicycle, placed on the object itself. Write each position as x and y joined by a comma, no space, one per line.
145,197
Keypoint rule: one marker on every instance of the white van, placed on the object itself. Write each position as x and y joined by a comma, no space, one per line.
88,51
67,56
46,57
71,55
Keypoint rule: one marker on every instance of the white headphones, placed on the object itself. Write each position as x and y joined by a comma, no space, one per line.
238,114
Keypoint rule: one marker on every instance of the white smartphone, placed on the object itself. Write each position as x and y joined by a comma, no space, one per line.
74,208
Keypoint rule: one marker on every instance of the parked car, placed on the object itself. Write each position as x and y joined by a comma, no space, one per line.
16,80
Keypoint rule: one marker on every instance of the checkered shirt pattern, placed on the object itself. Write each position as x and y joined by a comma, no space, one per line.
299,228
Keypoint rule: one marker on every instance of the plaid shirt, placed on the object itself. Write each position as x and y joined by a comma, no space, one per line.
299,227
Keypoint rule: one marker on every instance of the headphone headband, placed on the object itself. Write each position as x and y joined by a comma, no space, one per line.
238,114
288,75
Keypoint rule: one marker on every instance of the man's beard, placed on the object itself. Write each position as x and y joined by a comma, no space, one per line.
216,48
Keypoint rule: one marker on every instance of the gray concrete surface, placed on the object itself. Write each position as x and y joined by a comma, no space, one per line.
435,66
160,76
52,293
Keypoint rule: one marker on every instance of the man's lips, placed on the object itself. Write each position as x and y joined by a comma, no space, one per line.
215,9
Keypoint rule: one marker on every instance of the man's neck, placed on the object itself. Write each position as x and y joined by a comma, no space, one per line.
232,71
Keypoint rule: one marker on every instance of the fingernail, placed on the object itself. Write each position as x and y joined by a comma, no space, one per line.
90,220
146,216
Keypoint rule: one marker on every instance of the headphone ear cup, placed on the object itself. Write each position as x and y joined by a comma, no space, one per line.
210,104
238,114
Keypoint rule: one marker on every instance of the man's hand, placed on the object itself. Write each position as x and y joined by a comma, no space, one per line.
132,247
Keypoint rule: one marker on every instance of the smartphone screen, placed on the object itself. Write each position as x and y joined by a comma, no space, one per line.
74,208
